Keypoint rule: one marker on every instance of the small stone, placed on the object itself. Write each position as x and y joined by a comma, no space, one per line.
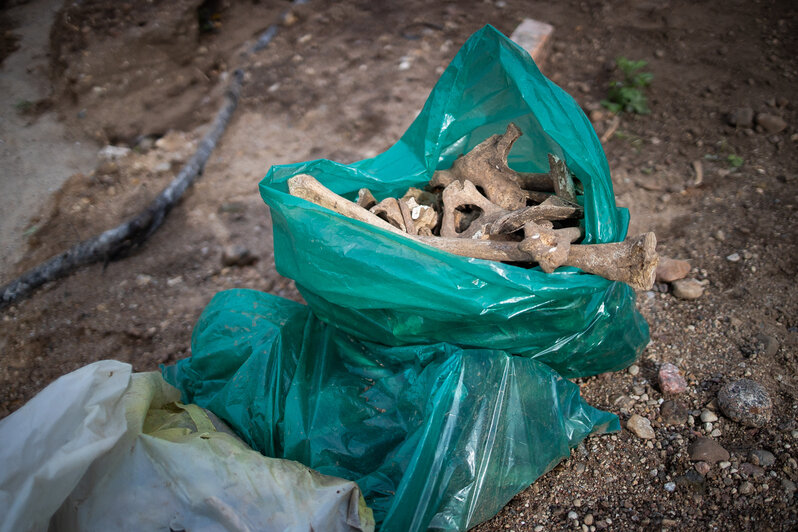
634,369
771,123
688,289
573,516
673,413
588,520
751,470
716,433
761,457
238,256
707,450
174,281
788,486
671,380
669,522
742,117
143,279
669,270
702,468
746,402
708,416
746,488
640,427
670,487
764,343
734,257
724,465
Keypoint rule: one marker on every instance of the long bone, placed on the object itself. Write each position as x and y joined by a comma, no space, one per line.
633,261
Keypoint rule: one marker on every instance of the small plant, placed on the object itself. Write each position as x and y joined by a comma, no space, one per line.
735,161
627,94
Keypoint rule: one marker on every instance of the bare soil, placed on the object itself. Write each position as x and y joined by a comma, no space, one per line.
149,75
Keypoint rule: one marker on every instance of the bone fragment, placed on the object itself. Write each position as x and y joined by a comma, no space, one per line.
407,217
389,210
553,208
424,217
536,182
422,197
459,194
486,167
561,177
365,198
633,261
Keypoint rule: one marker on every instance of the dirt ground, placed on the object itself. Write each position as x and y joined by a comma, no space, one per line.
343,80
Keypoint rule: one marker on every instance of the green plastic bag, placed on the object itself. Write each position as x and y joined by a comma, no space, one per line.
384,288
432,380
436,436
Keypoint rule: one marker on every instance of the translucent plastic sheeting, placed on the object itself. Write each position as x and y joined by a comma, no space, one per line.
101,449
435,435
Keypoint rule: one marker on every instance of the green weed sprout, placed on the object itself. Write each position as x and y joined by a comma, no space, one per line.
627,94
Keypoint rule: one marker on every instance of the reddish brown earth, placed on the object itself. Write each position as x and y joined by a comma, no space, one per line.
330,86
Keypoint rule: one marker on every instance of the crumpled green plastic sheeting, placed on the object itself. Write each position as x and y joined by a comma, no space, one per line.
436,436
382,287
403,374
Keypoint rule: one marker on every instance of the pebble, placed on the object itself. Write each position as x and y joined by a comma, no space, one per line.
734,257
764,343
634,369
788,486
702,468
751,470
761,457
746,488
708,416
688,289
573,515
707,450
746,402
742,117
640,426
588,520
671,380
669,270
238,256
673,413
670,487
724,465
771,123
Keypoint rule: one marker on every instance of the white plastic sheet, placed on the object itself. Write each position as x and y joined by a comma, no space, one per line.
101,449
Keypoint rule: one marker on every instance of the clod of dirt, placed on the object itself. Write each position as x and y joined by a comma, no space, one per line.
238,256
746,402
772,124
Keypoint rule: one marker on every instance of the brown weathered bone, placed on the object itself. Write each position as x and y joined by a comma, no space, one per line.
365,198
486,167
633,261
422,197
459,194
389,210
553,208
423,217
545,246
